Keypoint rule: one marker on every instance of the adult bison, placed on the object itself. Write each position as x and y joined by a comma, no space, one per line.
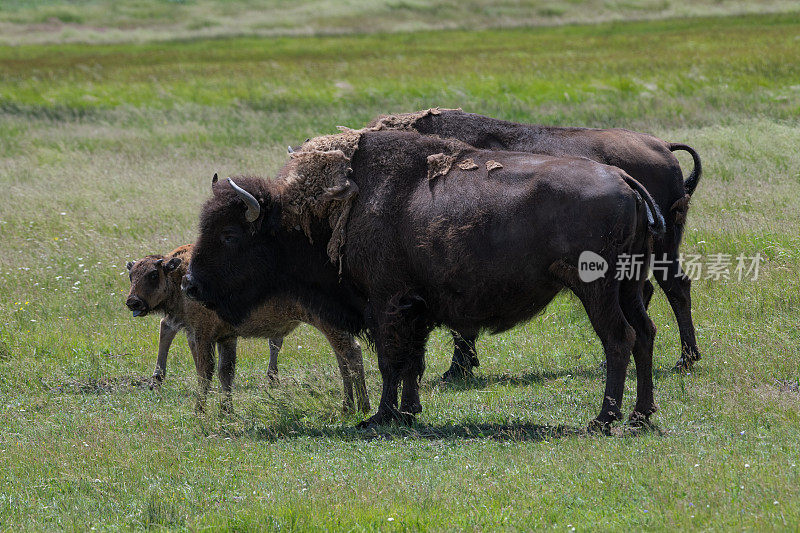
155,287
395,233
646,158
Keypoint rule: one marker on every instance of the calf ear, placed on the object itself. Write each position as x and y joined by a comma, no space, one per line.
129,265
172,264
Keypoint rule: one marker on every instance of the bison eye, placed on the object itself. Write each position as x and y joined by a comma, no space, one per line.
229,239
153,276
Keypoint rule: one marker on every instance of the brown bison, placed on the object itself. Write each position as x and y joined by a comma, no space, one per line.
155,286
394,233
646,158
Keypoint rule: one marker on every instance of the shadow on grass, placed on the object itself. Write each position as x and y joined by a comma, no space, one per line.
500,432
514,432
483,381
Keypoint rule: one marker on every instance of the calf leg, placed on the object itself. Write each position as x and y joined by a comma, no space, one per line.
632,303
165,337
227,371
202,349
351,367
677,287
275,345
465,357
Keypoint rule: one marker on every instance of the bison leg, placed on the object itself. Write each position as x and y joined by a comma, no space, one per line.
465,357
603,307
275,345
677,287
203,354
400,333
647,294
632,302
165,337
227,371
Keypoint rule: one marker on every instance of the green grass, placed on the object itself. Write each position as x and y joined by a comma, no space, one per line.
58,21
106,154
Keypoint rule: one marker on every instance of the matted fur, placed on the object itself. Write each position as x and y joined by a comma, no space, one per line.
404,121
311,176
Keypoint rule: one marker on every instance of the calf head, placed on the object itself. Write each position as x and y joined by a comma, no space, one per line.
150,283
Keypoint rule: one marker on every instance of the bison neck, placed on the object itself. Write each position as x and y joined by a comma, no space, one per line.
306,275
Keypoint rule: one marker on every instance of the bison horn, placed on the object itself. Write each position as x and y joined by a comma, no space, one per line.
253,207
291,150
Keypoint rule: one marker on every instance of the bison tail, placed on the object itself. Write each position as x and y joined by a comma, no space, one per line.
655,220
694,178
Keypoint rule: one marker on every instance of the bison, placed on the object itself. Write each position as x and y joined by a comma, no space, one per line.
646,158
394,233
155,286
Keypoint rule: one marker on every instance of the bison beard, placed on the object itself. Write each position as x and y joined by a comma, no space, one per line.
648,159
470,249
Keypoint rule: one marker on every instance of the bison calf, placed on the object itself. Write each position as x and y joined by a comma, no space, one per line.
156,286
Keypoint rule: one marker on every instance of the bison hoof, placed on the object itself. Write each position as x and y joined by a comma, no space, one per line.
603,422
687,360
382,418
639,419
156,380
598,427
457,373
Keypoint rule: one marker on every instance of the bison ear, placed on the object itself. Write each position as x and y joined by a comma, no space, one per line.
214,180
129,265
172,264
341,192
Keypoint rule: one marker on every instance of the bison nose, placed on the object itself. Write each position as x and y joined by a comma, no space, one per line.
134,303
189,287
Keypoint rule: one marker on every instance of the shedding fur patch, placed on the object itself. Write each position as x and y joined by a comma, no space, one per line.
318,187
467,164
680,209
439,165
492,165
404,121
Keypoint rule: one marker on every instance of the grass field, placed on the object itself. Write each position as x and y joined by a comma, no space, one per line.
106,154
106,21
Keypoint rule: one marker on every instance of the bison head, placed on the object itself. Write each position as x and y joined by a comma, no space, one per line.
233,266
150,285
